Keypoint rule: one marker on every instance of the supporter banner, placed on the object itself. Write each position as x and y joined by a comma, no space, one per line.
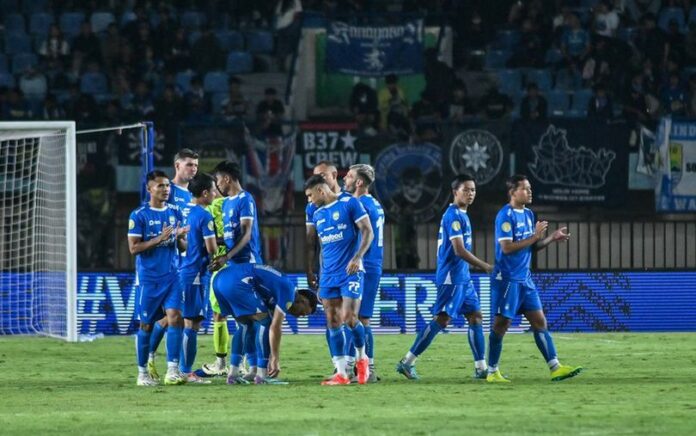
214,143
574,161
374,50
480,149
334,142
409,182
675,190
573,302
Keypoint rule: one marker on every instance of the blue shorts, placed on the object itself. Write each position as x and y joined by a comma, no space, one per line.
456,299
155,298
195,298
237,298
369,295
352,287
510,298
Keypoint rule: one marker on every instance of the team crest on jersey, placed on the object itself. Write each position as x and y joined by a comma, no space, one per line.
211,226
335,216
506,226
131,224
172,220
288,305
456,226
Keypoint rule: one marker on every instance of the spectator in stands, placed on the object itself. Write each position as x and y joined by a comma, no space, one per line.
177,53
121,87
16,107
169,109
425,111
85,109
636,9
530,51
54,51
599,65
196,93
600,106
164,32
363,106
130,30
142,104
533,105
110,47
690,45
459,106
207,55
51,110
635,108
393,106
235,105
476,35
439,77
606,20
142,40
75,68
148,67
575,46
113,113
651,42
675,42
673,96
495,104
287,25
87,43
33,84
269,112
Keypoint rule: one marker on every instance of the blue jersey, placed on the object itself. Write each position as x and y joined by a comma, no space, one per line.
181,198
513,225
337,230
452,269
374,255
234,210
201,227
311,208
274,288
156,264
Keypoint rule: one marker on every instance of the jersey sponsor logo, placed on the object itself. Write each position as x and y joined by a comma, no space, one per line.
321,221
342,226
456,226
154,222
131,224
477,152
334,237
520,225
506,226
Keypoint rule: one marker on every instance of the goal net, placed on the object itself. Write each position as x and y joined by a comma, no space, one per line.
38,271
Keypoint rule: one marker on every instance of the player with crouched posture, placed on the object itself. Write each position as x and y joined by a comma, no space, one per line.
261,295
455,291
345,233
155,231
513,291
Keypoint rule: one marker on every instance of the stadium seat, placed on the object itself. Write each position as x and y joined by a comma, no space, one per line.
127,17
40,23
215,81
669,14
496,59
183,80
17,43
22,61
101,20
230,40
239,62
581,98
566,79
259,42
509,81
34,6
70,23
217,100
7,80
558,102
192,20
553,56
94,83
542,78
14,23
3,64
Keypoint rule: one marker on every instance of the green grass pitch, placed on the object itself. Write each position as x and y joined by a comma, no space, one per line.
632,384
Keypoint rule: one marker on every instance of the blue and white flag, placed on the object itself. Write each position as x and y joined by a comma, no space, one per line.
374,50
675,190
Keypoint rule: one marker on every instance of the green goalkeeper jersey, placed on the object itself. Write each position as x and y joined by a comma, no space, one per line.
215,210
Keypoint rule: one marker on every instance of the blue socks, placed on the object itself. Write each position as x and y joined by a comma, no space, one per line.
142,347
238,345
337,341
358,336
495,348
156,336
369,343
348,348
327,333
174,335
188,350
250,344
263,344
477,342
545,344
425,338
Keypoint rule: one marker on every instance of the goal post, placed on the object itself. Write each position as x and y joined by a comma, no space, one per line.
38,229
